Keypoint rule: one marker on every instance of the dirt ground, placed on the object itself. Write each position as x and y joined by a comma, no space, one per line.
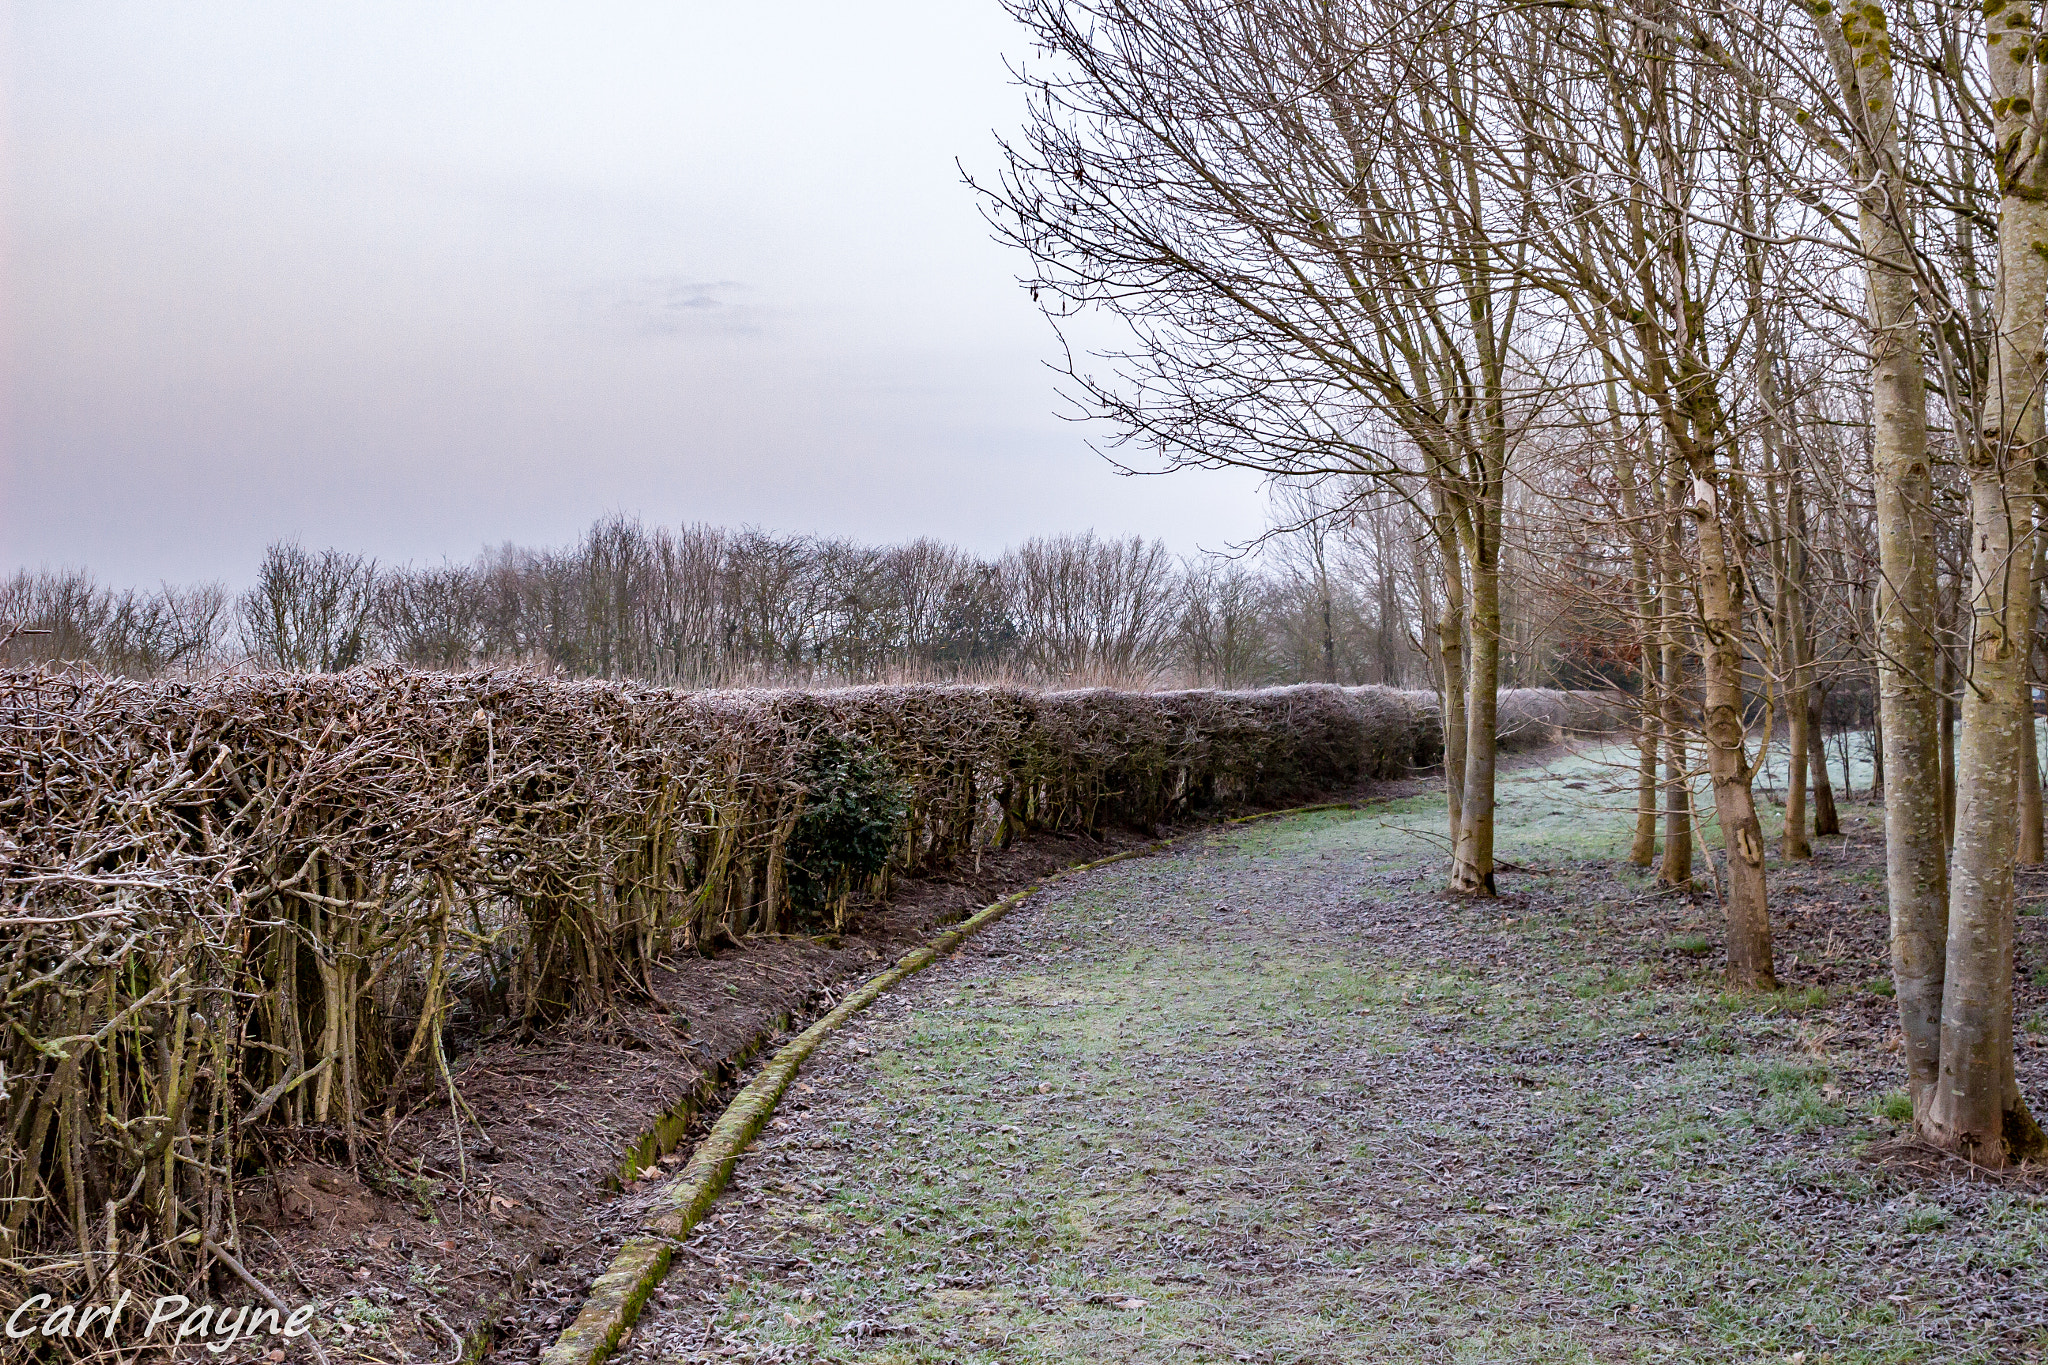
1274,1097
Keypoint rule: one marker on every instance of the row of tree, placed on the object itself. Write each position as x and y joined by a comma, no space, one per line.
1330,599
1730,316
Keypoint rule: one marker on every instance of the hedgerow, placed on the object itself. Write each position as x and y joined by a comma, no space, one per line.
255,900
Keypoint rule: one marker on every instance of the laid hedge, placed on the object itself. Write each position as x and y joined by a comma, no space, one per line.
268,899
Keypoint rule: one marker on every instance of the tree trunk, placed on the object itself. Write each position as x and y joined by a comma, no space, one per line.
1947,740
1976,1108
2030,780
1329,641
1472,859
1450,645
2031,852
1907,749
1788,563
1826,819
1726,734
1795,845
1799,684
1676,867
1642,850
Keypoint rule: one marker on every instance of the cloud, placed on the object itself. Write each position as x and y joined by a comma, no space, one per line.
672,306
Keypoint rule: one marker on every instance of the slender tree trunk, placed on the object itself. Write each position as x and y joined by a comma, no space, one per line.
1788,562
1907,749
1976,1109
1726,734
1450,632
1795,844
1947,740
1472,860
1329,641
1699,438
1643,848
2030,780
1876,764
1826,819
1805,764
1676,867
2031,852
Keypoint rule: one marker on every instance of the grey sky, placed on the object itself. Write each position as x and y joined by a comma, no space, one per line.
415,277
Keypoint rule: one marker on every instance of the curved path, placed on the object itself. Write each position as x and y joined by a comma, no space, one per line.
1269,1097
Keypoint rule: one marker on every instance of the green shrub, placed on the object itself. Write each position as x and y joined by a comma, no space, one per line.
853,810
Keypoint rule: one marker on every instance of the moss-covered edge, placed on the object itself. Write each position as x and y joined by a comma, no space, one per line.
617,1296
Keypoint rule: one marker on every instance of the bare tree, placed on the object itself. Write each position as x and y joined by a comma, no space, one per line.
1976,1107
1280,201
1092,610
67,616
1226,624
310,613
432,618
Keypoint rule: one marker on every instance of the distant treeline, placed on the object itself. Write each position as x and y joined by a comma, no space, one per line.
703,606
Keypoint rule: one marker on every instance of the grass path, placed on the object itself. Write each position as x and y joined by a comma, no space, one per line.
1271,1098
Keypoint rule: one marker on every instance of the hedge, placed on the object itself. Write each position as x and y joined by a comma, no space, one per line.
269,899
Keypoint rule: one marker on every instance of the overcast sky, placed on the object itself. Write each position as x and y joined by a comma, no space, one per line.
413,278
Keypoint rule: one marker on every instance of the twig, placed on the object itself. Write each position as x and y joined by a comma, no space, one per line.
460,1345
241,1272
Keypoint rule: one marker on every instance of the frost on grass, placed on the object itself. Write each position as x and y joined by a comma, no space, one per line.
1346,1119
